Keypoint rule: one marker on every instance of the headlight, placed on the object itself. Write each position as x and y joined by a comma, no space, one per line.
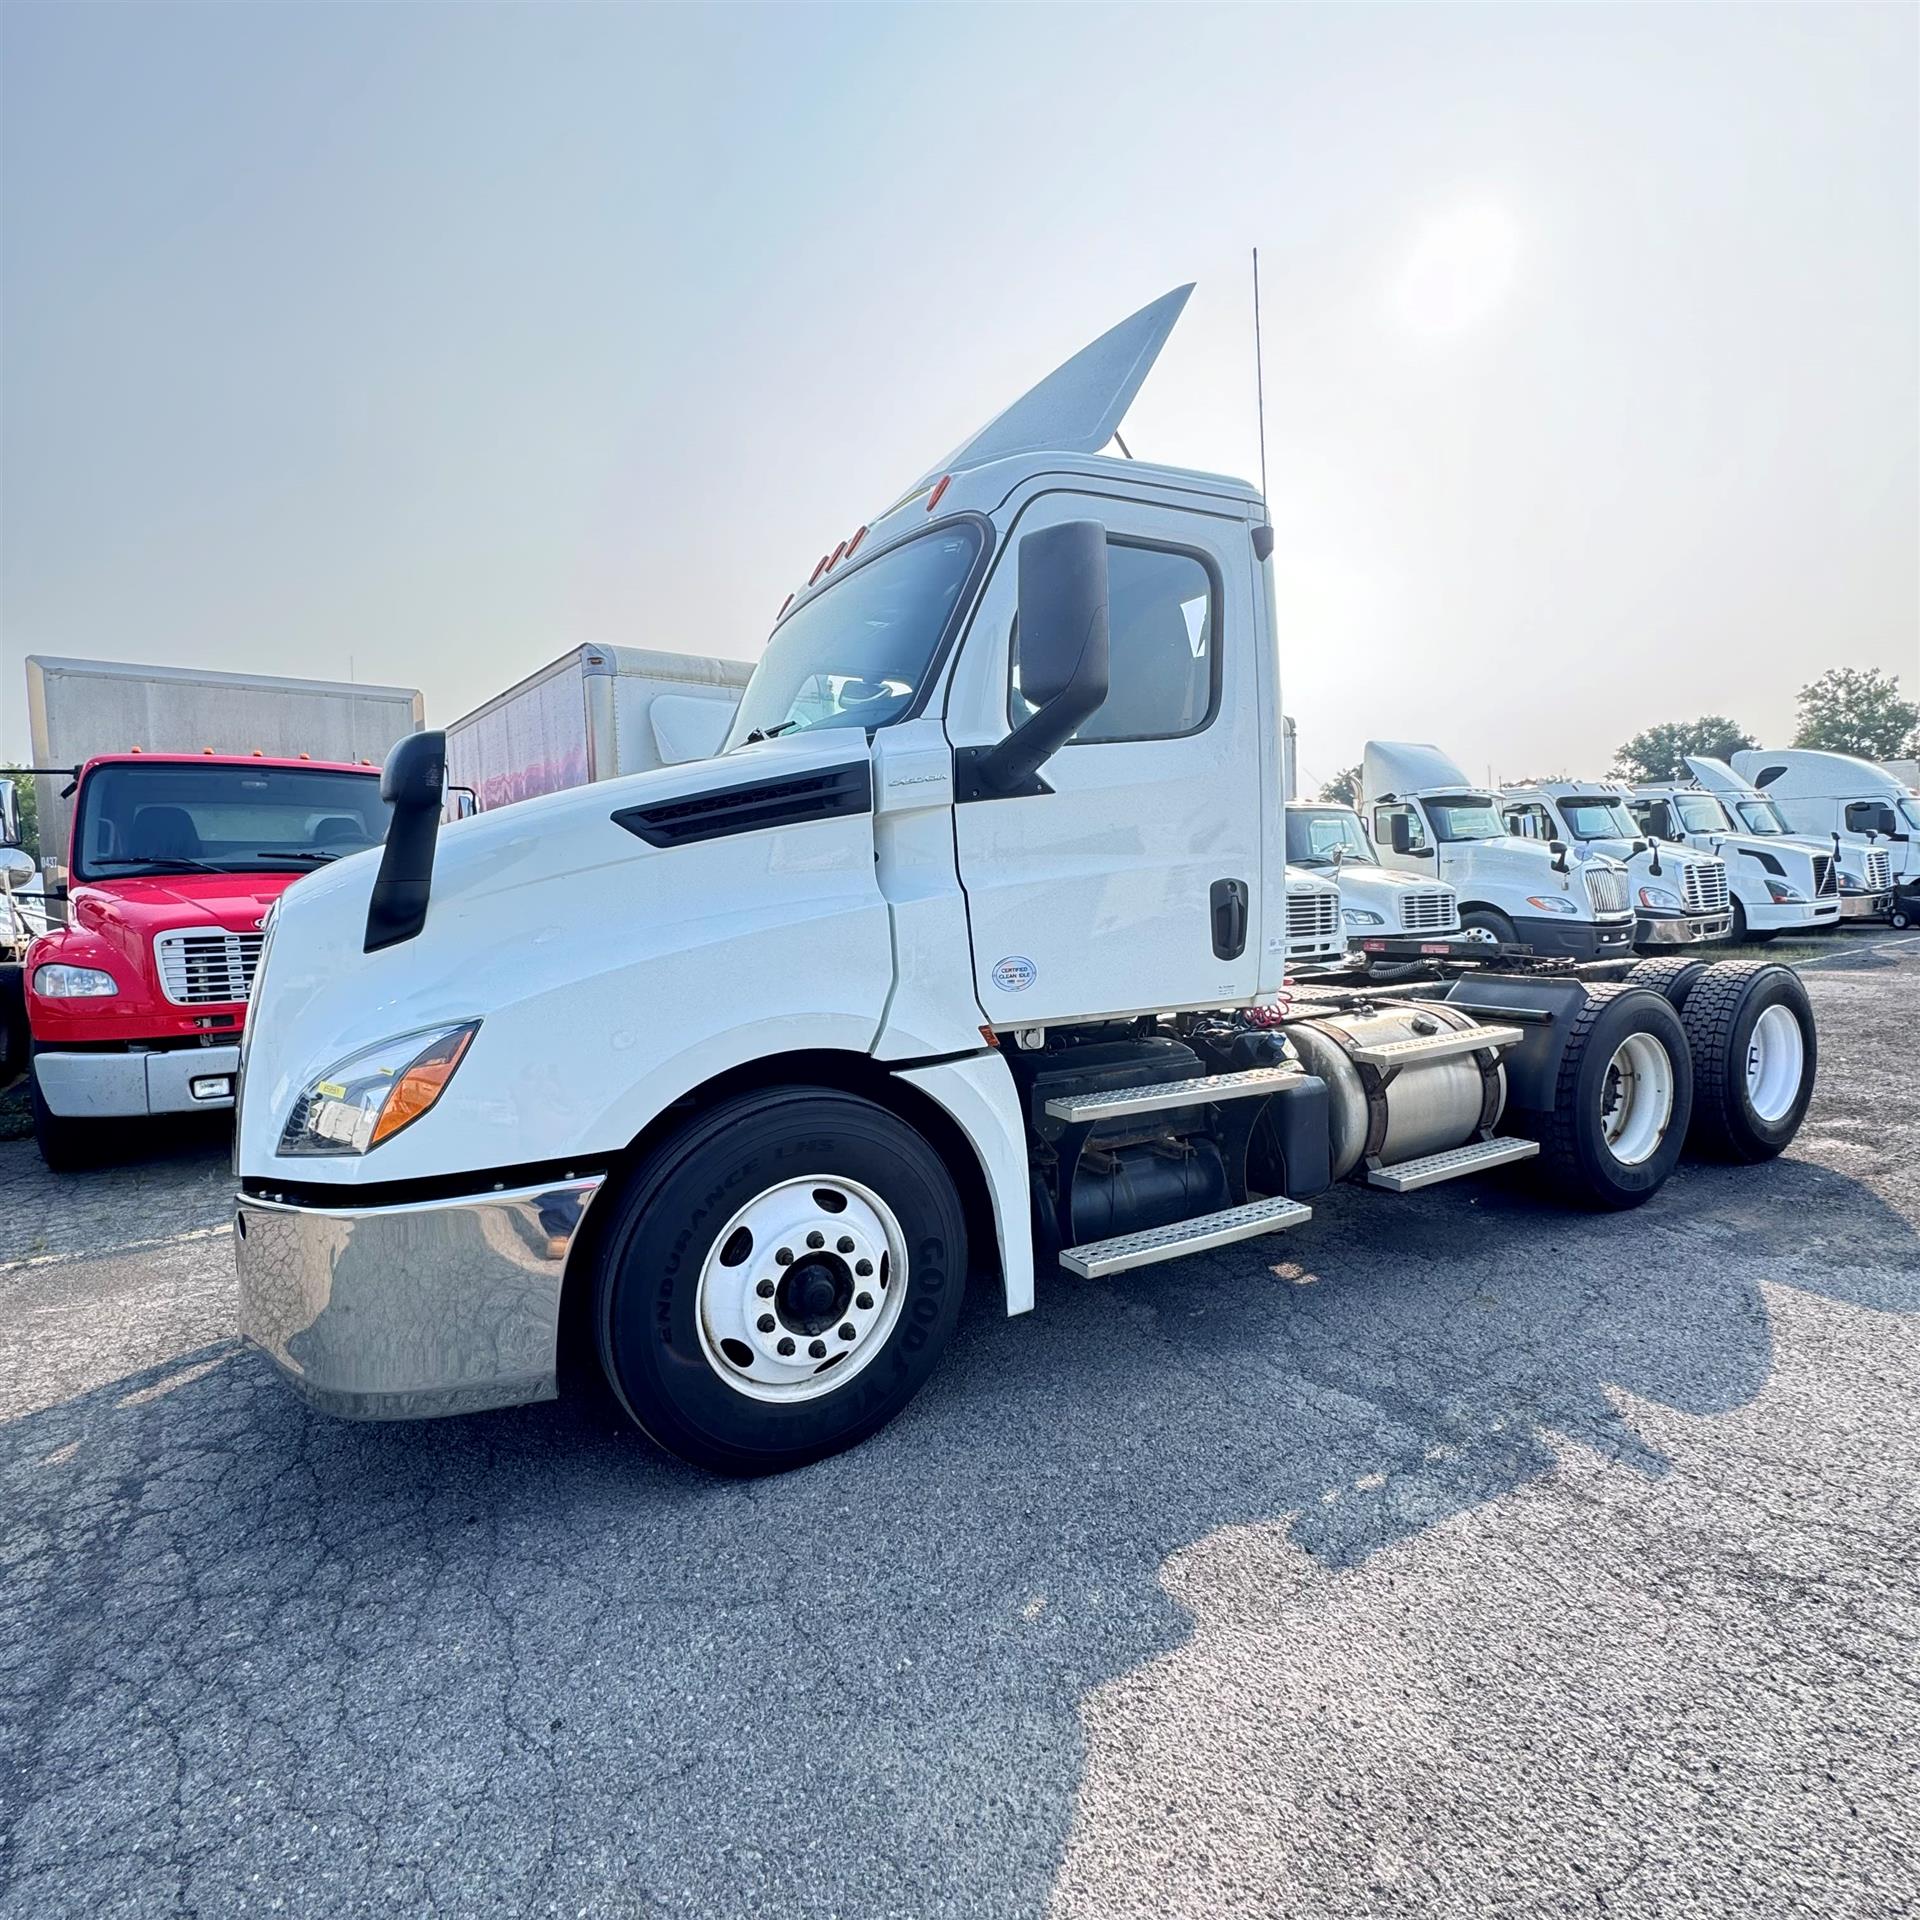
368,1098
1552,903
1660,899
74,983
1784,895
1848,878
1360,917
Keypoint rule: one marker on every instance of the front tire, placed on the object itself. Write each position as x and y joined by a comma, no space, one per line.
67,1146
1487,920
779,1280
1755,1051
1744,932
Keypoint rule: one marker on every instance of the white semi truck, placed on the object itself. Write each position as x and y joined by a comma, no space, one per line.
595,713
1384,915
1780,883
1868,812
1429,819
974,961
1680,897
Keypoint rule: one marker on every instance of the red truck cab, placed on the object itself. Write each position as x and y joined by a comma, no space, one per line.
136,1006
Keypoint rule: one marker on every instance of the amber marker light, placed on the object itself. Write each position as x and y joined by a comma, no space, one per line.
421,1083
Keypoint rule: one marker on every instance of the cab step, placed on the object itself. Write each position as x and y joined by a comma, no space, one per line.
1117,1102
1206,1230
1435,1046
1476,1157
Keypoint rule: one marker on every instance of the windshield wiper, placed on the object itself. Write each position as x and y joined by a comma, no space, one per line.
315,857
170,863
768,733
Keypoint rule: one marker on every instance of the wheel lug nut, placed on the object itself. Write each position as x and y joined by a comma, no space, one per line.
846,1332
845,1243
765,1323
864,1301
765,1289
863,1268
785,1347
816,1238
784,1257
818,1349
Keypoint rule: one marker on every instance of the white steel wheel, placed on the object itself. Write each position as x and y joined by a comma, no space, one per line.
1637,1100
1776,1063
801,1289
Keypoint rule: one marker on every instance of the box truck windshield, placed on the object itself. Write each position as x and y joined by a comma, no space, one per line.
858,654
173,818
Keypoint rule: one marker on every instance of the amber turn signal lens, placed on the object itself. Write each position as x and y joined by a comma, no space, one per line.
421,1084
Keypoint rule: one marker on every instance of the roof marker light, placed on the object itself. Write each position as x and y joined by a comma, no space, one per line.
860,535
818,570
784,605
834,560
939,487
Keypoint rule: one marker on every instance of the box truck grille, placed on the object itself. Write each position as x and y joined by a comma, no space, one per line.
198,969
1313,920
1607,889
1705,887
1427,912
1824,881
1879,871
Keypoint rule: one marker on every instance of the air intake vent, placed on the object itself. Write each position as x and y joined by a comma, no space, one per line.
1428,912
1824,881
206,969
1607,889
1313,922
752,807
1879,871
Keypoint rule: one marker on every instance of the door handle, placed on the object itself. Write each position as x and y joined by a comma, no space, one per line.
1227,907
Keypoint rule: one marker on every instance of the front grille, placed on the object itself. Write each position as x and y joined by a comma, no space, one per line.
1428,912
1607,889
1824,882
203,969
1313,920
1705,887
1879,871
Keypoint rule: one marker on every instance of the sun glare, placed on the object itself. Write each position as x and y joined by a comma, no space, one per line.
1459,271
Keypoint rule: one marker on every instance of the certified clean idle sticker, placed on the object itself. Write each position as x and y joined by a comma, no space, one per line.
1014,974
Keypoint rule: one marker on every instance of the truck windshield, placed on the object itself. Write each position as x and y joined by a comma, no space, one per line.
1701,813
858,655
167,817
1760,816
1594,817
1465,816
1315,834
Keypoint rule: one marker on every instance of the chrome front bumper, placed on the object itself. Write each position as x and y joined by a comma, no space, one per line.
1865,906
102,1086
1685,930
402,1313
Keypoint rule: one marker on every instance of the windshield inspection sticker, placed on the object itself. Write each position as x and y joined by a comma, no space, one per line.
1015,974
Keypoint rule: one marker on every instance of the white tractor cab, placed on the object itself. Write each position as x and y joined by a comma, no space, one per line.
1680,898
1780,882
1429,819
1385,915
980,958
1868,813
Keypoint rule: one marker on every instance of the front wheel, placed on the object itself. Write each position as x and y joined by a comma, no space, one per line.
1486,920
778,1280
67,1146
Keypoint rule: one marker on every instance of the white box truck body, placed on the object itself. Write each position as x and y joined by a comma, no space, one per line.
594,714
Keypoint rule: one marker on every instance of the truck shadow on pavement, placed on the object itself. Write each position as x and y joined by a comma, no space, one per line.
522,1663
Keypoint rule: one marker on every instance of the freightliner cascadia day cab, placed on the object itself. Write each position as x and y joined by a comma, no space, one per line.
1430,820
1869,812
596,713
964,955
185,805
1382,913
1780,883
1680,897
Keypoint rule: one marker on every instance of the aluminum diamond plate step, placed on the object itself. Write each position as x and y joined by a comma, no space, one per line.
1184,1236
1117,1102
1474,1158
1436,1046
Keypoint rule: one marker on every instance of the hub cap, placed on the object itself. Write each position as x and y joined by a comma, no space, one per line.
1636,1100
1776,1059
801,1288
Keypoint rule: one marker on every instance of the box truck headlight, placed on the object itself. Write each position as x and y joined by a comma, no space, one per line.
1784,895
368,1098
1661,900
1360,917
1848,878
1552,903
74,983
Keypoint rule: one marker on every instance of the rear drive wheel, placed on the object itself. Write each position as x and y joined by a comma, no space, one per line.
1750,1027
1621,1102
778,1281
1489,921
66,1145
1672,978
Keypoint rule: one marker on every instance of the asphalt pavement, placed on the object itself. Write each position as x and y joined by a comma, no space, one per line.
1454,1554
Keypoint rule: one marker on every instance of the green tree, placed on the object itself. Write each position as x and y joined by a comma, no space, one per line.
1661,752
29,800
1857,710
1344,788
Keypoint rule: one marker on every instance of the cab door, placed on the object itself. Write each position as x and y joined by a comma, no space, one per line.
1134,881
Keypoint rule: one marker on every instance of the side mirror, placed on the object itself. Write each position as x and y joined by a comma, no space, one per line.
15,867
1063,653
9,814
1558,848
1399,833
414,779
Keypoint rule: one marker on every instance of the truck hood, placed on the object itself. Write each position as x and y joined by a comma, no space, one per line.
1674,861
1813,773
127,914
1717,777
1381,879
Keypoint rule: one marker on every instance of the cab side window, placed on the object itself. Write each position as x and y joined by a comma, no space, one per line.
1163,677
1530,821
1867,816
1653,817
1383,819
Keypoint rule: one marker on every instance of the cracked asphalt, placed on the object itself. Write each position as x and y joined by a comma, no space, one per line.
1452,1555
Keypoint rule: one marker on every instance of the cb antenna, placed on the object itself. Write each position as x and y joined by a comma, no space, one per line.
1260,384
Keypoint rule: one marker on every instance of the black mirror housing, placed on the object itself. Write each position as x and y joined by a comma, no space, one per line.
414,779
1399,834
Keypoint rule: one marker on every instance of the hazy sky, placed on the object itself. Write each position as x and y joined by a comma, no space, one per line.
435,339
